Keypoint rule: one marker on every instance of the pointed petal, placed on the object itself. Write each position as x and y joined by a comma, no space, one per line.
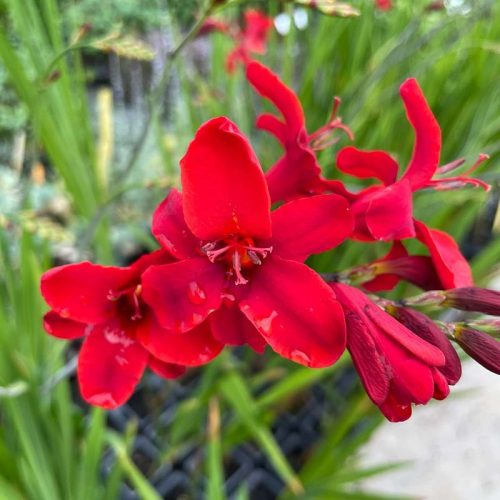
230,326
418,347
367,164
63,328
295,174
388,212
170,229
269,86
394,411
165,370
273,125
184,293
224,189
368,361
451,266
309,226
425,328
441,388
156,258
257,25
296,312
412,379
80,291
427,149
110,365
193,348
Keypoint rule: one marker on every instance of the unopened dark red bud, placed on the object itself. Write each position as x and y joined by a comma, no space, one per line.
424,327
474,299
479,346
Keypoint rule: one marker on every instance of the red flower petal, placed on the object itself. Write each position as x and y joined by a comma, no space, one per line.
418,347
366,164
80,291
412,380
230,326
441,387
425,328
355,301
395,411
156,258
165,370
224,189
296,312
274,126
193,348
310,225
257,25
184,293
451,266
368,360
63,328
269,86
297,173
110,365
387,212
425,158
170,229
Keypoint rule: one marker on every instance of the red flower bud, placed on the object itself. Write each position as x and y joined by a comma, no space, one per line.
424,327
474,299
479,346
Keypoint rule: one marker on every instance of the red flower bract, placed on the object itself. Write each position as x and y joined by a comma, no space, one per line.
396,366
241,265
104,305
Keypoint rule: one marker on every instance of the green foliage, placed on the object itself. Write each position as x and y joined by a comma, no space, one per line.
129,14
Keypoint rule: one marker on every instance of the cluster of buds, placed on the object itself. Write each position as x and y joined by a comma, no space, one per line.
476,336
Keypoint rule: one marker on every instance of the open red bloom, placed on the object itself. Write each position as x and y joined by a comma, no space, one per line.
396,366
297,173
104,305
385,212
240,265
382,212
251,39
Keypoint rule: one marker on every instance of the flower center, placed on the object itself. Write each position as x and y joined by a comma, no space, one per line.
238,253
128,301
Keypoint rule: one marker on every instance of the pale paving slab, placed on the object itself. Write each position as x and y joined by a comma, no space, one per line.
454,445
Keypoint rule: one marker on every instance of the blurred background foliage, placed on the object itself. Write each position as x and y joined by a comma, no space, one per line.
94,117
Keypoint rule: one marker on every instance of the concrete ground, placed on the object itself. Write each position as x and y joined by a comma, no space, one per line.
454,445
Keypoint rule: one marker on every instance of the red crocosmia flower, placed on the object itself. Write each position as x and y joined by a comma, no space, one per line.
385,212
384,5
240,265
104,305
396,366
297,172
251,39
